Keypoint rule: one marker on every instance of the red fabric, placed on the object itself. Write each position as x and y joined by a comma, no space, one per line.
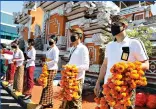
7,52
141,99
29,80
151,102
6,62
11,72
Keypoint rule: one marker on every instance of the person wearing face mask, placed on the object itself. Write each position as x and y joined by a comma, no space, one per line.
30,67
3,61
10,71
79,56
124,49
52,56
18,59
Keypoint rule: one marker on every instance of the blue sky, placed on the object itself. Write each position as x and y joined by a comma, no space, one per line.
16,6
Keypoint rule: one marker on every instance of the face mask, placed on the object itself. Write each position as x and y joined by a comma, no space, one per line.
116,29
14,47
73,38
51,43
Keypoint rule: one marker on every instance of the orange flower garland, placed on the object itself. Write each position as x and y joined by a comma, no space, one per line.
42,80
118,89
68,83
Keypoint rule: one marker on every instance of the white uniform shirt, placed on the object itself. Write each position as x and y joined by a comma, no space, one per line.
19,56
80,58
114,51
53,54
31,54
10,61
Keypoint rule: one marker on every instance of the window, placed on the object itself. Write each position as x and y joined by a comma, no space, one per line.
139,16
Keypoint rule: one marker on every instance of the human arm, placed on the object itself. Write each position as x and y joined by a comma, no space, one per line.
85,60
101,77
141,54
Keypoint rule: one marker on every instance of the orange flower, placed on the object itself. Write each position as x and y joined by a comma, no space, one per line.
120,68
134,76
123,88
140,72
97,107
117,88
111,85
123,94
118,76
117,82
112,103
97,100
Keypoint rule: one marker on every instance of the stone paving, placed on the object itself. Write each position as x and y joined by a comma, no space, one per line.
7,101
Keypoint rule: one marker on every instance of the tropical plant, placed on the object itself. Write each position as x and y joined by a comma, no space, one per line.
144,34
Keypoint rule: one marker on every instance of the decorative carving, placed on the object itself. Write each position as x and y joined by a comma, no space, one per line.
152,66
62,41
39,43
92,54
103,18
46,17
99,39
86,23
68,7
37,30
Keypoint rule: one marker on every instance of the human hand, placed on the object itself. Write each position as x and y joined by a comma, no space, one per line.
14,60
97,89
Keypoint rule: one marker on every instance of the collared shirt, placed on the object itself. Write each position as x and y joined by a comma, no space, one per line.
80,58
53,55
31,53
19,57
113,53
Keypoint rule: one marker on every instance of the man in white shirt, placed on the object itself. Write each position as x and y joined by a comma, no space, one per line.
79,56
30,66
122,48
18,59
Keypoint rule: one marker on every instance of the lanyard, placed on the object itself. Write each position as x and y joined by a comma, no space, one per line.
72,52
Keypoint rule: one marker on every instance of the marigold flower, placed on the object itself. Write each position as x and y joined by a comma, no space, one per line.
97,107
118,76
112,103
120,68
141,73
117,82
97,100
134,76
117,88
123,88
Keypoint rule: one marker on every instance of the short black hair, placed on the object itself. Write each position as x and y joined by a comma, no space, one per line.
31,41
54,37
16,42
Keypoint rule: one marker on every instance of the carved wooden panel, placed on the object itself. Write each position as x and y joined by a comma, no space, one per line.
55,25
92,52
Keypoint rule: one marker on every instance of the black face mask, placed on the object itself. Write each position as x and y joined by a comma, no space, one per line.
14,47
116,29
73,38
51,43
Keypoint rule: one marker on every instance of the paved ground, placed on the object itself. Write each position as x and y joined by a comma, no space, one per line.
8,102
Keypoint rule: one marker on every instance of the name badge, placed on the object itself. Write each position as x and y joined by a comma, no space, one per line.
125,53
